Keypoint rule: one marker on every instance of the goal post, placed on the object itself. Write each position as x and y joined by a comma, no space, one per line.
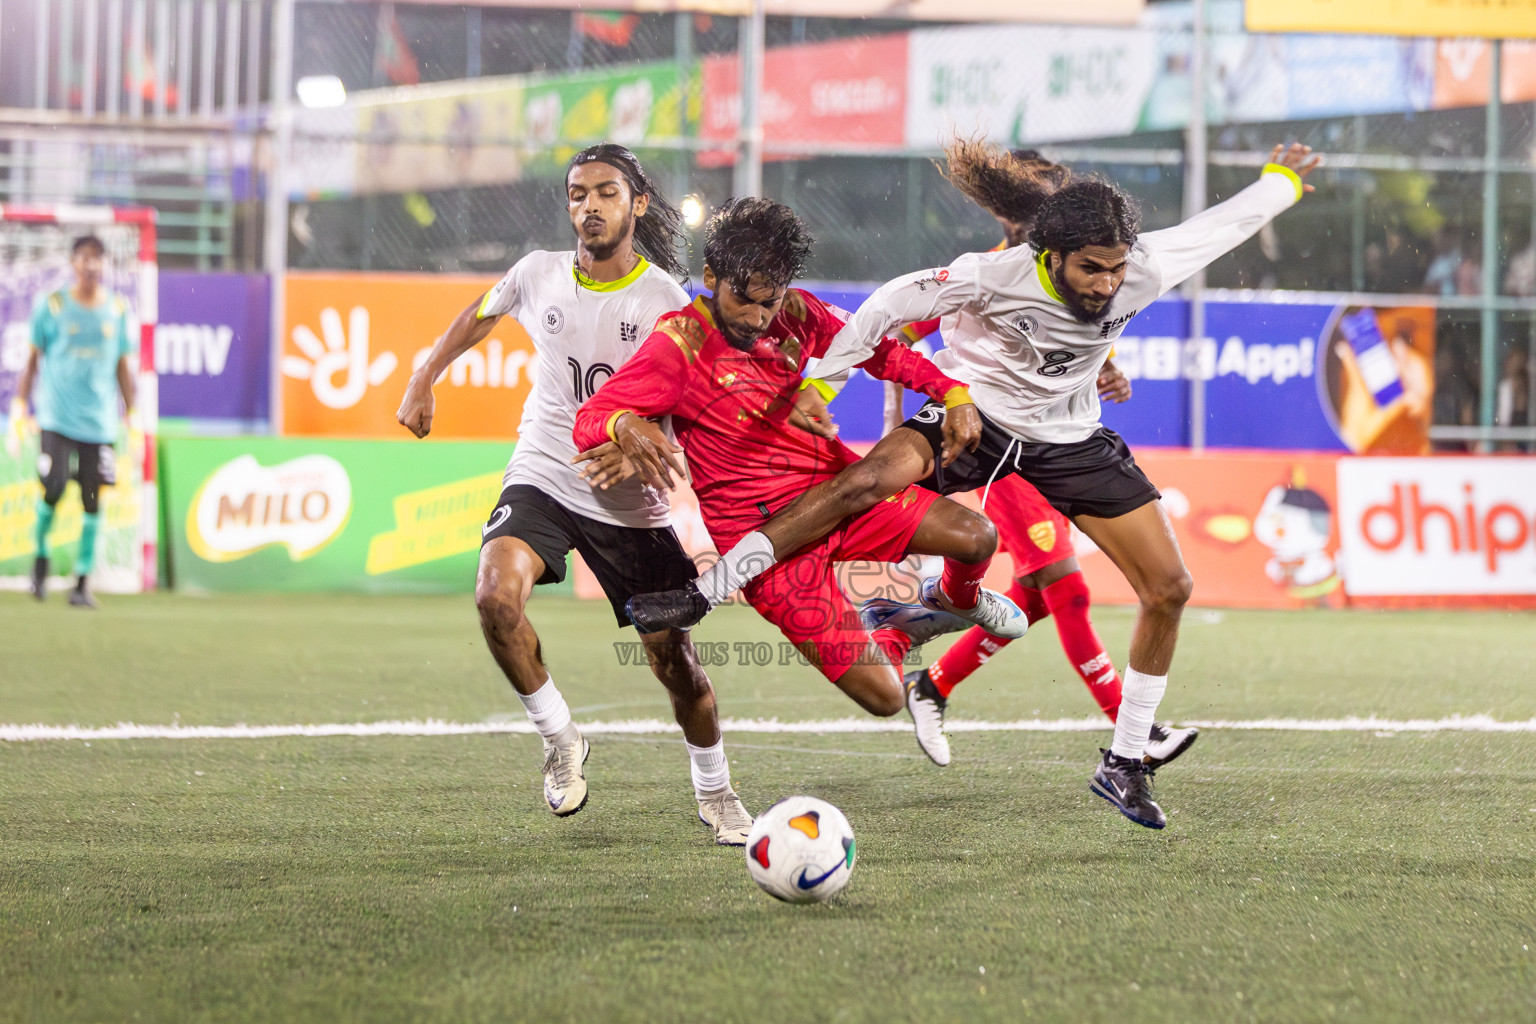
35,244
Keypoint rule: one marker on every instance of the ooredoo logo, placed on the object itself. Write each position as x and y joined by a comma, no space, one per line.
344,353
243,506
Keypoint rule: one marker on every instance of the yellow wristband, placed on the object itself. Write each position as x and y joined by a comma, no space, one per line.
823,389
957,396
608,427
1282,169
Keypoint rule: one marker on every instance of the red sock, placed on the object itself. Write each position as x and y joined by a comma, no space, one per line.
894,643
1067,599
976,645
961,583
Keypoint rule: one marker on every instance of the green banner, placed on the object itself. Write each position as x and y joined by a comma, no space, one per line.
120,545
635,105
289,514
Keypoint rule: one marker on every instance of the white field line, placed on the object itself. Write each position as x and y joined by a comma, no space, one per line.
649,726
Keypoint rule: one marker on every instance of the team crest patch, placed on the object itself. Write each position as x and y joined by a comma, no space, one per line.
1043,534
1026,324
554,320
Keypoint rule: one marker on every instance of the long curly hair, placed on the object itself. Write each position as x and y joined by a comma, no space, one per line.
659,231
1068,211
1009,185
750,236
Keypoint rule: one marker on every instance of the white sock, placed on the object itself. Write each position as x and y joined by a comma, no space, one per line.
1139,696
752,556
547,709
711,772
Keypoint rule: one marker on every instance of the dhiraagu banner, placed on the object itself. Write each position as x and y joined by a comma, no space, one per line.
120,544
295,514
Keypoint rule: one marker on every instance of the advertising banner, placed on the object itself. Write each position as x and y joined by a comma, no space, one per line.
1444,526
371,517
632,105
850,91
1257,529
434,137
212,348
1027,84
350,342
1403,17
120,540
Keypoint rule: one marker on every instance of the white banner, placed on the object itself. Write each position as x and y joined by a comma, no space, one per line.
1022,85
1463,526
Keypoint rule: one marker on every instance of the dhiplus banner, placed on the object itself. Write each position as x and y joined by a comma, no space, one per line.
849,92
280,514
350,342
211,346
1414,528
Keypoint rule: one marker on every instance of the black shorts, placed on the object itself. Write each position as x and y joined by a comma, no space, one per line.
626,560
1093,477
61,459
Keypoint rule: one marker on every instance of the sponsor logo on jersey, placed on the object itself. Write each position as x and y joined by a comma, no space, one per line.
629,333
929,414
936,278
553,319
302,504
1043,534
1108,327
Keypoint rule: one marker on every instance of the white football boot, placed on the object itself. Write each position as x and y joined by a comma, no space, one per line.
724,812
926,706
565,784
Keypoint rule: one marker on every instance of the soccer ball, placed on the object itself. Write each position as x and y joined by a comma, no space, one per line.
800,850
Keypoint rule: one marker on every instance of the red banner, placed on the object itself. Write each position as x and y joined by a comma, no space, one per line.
851,91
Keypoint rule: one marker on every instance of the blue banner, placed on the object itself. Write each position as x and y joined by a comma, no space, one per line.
212,346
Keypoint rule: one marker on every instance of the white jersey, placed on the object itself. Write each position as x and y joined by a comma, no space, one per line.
1031,365
583,331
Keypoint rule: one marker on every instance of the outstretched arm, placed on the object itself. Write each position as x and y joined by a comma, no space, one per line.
914,297
1185,248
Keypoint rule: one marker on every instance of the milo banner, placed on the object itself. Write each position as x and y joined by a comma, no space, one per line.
362,516
634,105
120,544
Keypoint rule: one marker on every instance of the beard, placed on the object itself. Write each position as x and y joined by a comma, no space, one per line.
602,250
1073,300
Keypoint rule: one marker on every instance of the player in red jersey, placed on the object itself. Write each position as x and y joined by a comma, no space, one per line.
727,370
1048,581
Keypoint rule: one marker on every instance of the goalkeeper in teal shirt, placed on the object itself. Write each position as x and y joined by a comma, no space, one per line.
81,359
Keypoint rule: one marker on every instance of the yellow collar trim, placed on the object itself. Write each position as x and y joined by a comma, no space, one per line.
608,286
703,308
1045,276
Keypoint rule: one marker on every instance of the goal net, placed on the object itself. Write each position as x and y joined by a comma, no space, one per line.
35,243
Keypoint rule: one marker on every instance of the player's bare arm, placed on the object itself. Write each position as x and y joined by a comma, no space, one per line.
646,447
126,384
467,330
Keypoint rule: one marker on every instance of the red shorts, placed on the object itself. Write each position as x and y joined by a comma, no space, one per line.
800,595
1029,529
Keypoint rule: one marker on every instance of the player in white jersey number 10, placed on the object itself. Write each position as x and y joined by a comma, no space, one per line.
1033,326
587,311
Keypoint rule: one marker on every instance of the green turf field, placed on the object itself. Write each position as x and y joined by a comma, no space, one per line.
1303,875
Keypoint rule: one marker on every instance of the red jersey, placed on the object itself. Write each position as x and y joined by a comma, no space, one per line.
730,408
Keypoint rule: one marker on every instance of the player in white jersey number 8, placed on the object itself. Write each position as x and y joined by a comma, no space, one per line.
1034,325
588,308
